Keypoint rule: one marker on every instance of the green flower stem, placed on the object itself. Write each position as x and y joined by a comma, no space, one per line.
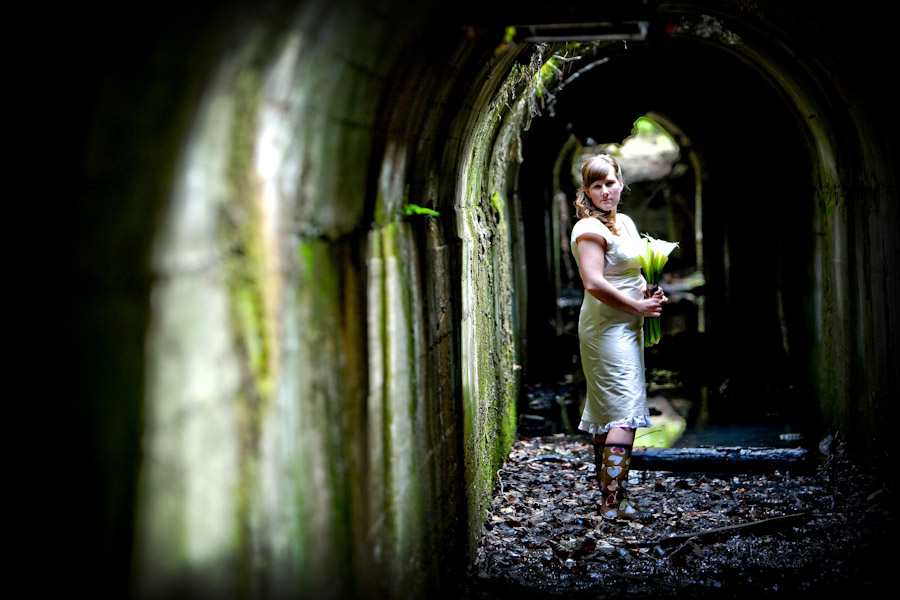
653,257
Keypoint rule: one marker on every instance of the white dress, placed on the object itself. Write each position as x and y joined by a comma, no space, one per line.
611,340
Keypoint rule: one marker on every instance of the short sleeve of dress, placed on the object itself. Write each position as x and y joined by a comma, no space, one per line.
590,225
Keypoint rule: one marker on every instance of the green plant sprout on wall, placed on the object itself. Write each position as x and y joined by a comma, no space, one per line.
414,209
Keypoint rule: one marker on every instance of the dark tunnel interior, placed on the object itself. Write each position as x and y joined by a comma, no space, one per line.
757,206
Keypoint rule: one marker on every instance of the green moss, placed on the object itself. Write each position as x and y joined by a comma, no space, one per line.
491,275
241,233
497,203
395,341
828,365
305,250
324,398
245,268
545,75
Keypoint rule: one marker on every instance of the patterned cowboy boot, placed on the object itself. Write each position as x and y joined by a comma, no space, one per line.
613,474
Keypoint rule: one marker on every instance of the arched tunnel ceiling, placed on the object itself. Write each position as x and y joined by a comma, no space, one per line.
804,33
800,51
749,137
706,91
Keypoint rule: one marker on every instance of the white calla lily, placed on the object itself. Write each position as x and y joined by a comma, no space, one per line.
654,256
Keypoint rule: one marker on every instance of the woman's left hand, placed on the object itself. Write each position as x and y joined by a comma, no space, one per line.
657,294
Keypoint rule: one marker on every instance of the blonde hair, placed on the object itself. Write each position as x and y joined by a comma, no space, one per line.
594,168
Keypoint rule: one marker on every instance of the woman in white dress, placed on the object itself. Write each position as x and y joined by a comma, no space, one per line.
605,244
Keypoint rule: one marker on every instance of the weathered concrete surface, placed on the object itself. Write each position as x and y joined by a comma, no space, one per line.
299,418
277,383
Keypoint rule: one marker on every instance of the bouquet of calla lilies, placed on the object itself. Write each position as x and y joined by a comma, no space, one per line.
654,255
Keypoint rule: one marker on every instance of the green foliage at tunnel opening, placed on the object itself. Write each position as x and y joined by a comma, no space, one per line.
648,127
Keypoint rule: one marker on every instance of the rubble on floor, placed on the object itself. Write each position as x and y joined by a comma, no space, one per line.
703,535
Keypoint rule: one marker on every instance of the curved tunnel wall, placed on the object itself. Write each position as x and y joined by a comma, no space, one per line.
294,383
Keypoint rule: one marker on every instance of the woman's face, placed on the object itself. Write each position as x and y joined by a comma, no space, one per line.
605,192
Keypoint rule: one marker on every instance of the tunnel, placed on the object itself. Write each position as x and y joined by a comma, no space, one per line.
311,254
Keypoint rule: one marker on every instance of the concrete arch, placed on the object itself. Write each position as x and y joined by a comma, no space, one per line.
290,376
819,110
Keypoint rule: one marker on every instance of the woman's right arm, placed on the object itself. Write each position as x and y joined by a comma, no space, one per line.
592,256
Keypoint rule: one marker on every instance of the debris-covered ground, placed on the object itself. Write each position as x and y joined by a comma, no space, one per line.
705,535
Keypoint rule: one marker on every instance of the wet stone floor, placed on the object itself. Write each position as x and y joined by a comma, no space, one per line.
703,535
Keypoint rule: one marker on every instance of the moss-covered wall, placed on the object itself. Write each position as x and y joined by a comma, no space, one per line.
489,311
301,420
855,356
